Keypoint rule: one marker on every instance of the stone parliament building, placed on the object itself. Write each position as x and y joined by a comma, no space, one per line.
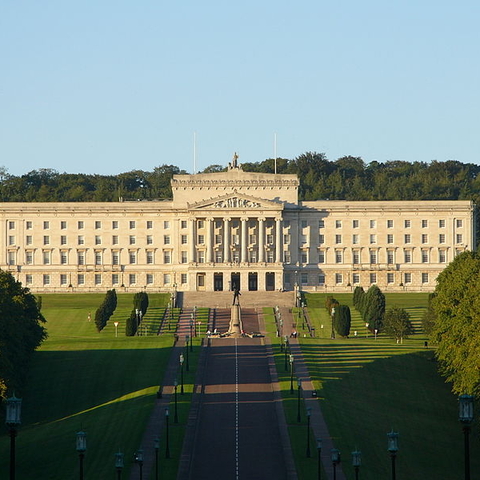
229,230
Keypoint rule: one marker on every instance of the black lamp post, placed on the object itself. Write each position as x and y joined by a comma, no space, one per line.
156,444
182,359
12,420
139,460
319,455
81,449
356,462
309,412
187,340
299,383
393,449
191,331
465,404
335,454
119,464
291,374
167,445
195,320
286,353
175,417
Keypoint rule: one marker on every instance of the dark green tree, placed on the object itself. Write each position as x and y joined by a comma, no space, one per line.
429,316
342,320
374,308
397,324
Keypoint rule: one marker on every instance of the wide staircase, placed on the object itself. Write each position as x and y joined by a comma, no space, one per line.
247,299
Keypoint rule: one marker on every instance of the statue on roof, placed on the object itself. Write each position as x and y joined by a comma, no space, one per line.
234,164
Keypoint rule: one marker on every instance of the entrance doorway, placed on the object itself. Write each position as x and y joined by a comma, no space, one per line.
218,282
235,281
253,282
270,281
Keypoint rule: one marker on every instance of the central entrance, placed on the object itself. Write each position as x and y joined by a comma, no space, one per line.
270,281
218,282
235,281
253,282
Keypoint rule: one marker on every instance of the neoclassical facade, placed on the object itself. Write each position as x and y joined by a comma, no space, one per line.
233,229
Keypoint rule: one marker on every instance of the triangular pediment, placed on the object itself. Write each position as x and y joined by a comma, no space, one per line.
234,201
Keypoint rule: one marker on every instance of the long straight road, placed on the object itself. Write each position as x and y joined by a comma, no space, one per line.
237,434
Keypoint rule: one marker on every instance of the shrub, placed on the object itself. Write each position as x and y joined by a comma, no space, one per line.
342,320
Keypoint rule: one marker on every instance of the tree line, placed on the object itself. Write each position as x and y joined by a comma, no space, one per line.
347,178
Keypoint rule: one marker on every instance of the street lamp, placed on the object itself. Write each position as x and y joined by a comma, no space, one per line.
291,374
376,333
356,462
167,445
187,339
12,420
139,460
393,449
319,455
175,385
191,330
309,412
195,320
366,327
156,444
119,464
333,331
335,455
181,373
286,353
81,449
116,328
299,382
465,404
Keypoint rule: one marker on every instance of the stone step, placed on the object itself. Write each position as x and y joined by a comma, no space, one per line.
225,299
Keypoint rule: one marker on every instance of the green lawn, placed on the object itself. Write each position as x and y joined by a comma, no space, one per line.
82,379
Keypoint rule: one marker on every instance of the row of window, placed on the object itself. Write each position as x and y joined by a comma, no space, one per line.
132,224
115,279
373,223
340,278
373,239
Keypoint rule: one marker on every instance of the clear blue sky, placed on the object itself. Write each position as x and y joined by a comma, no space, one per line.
108,86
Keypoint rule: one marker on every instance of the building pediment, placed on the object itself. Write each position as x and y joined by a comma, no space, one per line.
234,201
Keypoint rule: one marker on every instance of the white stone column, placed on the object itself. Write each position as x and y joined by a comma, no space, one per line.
243,257
192,240
209,242
261,240
226,240
278,242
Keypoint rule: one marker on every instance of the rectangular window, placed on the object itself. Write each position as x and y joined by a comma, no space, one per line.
63,279
183,239
184,278
355,239
373,278
304,224
269,239
459,238
321,279
11,225
63,225
424,223
132,257
46,280
390,277
338,224
408,256
441,223
149,257
218,256
373,256
201,224
424,238
304,257
407,238
355,223
132,279
81,279
373,239
46,257
166,279
29,257
286,257
98,258
183,257
149,240
286,239
80,240
29,279
424,277
63,239
132,224
390,238
29,240
114,224
321,256
98,224
407,223
167,256
149,278
407,278
338,239
252,239
373,224
338,278
270,258
149,224
81,225
321,224
218,239
46,225
338,256
356,278
81,258
424,256
63,257
11,258
459,223
166,224
183,224
115,258
29,225
132,240
389,223
201,256
356,257
11,239
304,278
390,257
115,278
303,239
321,239
98,240
98,279
441,238
114,239
201,239
442,256
46,240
